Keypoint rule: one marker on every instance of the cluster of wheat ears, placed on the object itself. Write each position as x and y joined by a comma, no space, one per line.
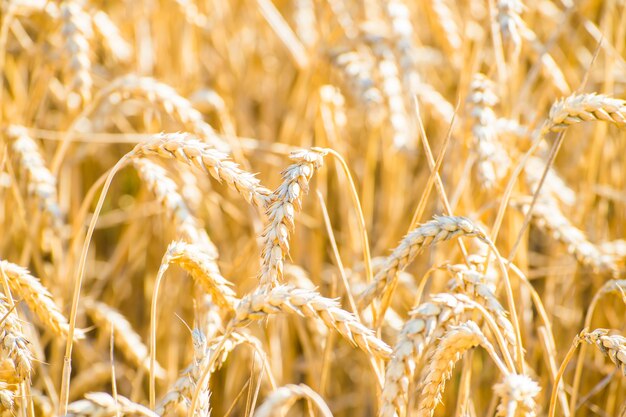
301,207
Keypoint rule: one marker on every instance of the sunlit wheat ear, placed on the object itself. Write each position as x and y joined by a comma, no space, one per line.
306,303
454,343
115,44
38,298
283,397
579,108
7,399
426,322
283,204
182,390
40,183
548,217
492,160
13,342
356,68
103,404
439,229
391,87
553,185
189,150
124,337
168,100
614,248
204,270
77,33
517,396
613,346
511,23
476,286
166,192
445,29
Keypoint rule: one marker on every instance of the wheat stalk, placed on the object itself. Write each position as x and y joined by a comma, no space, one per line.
307,303
440,229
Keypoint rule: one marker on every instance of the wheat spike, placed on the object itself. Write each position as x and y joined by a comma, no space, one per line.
517,396
37,297
306,303
614,346
455,342
125,337
439,229
101,404
13,343
579,108
190,151
282,207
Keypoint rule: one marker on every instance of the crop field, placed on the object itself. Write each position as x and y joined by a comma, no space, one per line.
383,208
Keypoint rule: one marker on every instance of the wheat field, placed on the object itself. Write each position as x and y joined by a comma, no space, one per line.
313,208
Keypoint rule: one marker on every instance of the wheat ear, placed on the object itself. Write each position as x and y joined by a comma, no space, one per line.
101,404
307,303
426,323
285,396
457,340
204,271
128,341
283,204
439,229
77,32
517,396
7,399
614,346
13,343
188,150
166,192
41,182
37,297
579,108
